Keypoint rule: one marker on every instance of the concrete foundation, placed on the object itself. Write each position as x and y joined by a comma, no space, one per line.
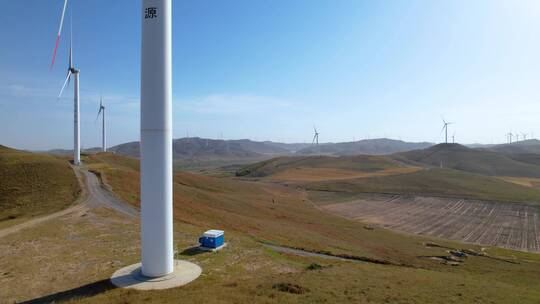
131,277
202,248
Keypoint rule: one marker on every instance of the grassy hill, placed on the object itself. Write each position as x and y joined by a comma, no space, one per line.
350,164
353,175
455,156
528,158
33,184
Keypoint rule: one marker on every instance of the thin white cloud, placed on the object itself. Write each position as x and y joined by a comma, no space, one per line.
232,104
23,91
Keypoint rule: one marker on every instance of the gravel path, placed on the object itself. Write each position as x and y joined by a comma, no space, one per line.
93,195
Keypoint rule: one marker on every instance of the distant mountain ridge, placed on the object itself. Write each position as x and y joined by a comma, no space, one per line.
379,146
203,148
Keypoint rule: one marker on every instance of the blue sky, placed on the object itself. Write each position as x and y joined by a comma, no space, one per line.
270,70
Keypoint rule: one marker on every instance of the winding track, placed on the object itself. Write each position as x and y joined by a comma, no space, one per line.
93,195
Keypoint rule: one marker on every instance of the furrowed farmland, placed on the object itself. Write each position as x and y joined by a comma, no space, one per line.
509,225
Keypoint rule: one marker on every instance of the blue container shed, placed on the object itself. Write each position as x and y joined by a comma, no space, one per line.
212,239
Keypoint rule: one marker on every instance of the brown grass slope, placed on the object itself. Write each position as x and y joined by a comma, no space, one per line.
455,156
33,184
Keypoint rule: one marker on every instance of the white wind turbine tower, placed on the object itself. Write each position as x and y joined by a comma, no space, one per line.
524,136
315,137
71,71
445,129
103,125
158,269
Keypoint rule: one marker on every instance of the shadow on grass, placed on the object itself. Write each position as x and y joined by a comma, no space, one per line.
87,290
193,251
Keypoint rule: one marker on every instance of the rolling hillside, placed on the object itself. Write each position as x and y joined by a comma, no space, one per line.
379,146
486,162
380,266
33,184
327,164
266,211
346,176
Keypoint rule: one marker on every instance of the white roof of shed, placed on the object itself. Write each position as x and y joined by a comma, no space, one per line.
213,233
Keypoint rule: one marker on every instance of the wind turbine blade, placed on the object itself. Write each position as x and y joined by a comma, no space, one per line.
58,34
71,39
99,112
70,55
65,82
67,76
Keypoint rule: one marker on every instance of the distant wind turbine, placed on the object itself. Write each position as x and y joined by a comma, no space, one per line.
524,136
445,129
509,135
315,137
71,71
454,137
103,125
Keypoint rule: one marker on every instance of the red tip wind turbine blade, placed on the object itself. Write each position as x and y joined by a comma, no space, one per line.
58,34
54,52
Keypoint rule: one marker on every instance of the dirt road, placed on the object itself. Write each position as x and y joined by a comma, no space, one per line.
93,195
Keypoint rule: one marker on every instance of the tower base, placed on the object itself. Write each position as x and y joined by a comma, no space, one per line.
131,277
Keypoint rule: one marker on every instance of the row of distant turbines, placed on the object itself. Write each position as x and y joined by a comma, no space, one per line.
72,71
510,137
315,140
